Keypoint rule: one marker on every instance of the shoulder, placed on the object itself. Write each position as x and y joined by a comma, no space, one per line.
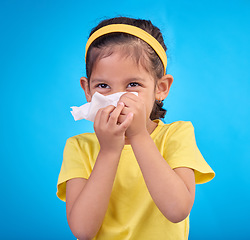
178,127
82,141
175,126
83,138
177,144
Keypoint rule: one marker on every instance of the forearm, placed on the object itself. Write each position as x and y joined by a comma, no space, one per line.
88,211
167,189
89,202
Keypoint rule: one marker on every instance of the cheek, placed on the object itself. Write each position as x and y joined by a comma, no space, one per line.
151,106
88,96
149,103
152,102
91,93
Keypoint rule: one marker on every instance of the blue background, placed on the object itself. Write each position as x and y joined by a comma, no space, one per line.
42,59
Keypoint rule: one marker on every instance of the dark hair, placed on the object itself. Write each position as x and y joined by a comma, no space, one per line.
137,48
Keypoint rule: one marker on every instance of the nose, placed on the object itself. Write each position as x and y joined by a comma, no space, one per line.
118,90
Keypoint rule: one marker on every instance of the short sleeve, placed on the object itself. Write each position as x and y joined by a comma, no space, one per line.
181,151
75,165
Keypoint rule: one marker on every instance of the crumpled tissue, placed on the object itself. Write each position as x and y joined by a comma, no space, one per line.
89,110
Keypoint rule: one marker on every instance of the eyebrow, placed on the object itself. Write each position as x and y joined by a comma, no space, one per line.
97,80
132,79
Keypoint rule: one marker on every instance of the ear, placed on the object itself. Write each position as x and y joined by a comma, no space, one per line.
85,86
163,86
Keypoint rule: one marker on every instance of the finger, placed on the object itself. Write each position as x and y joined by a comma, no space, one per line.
129,103
126,123
116,113
126,110
128,96
104,113
121,118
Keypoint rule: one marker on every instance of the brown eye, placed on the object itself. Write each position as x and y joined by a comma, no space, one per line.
133,84
103,85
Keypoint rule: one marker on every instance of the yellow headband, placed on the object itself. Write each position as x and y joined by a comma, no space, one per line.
135,31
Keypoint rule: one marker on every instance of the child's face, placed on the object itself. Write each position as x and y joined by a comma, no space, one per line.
122,74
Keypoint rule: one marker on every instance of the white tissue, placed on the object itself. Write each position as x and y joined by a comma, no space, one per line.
89,110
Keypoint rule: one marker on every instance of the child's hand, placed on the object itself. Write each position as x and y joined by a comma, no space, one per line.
134,104
111,133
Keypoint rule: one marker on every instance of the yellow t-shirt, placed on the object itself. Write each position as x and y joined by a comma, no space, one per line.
132,214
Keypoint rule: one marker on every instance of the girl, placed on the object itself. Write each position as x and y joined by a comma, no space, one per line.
134,178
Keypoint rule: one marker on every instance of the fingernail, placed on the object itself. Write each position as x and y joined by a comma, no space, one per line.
121,103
